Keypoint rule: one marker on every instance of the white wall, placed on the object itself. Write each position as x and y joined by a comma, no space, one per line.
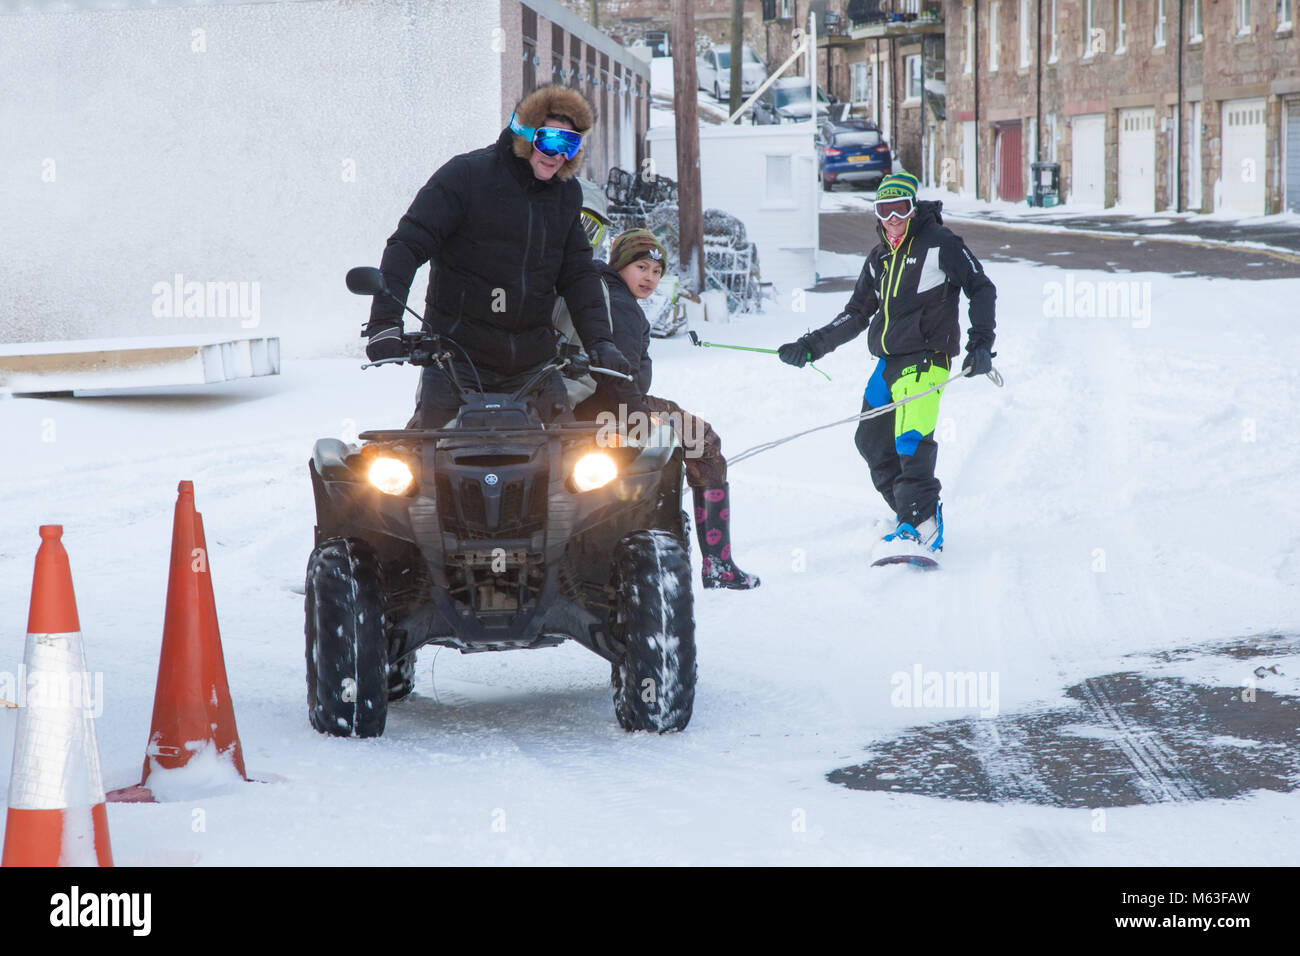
222,155
734,166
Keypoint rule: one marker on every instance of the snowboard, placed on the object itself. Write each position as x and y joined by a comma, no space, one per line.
915,560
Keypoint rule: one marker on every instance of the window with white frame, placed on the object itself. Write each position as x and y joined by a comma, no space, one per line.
1051,53
1243,17
1024,33
780,179
1283,15
1087,21
993,37
1121,28
1194,22
913,77
1160,24
968,22
860,83
787,9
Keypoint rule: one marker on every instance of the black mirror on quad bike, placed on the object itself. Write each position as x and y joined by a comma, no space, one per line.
367,280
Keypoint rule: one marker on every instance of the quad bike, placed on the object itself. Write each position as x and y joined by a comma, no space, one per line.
493,533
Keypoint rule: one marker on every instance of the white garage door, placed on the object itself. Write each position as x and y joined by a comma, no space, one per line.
1194,171
1088,160
1137,159
968,157
1293,154
1243,157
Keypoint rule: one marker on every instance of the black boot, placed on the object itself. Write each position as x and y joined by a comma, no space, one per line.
712,524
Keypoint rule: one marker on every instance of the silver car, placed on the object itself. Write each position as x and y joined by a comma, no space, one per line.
713,70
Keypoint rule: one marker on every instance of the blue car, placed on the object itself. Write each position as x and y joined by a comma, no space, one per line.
852,152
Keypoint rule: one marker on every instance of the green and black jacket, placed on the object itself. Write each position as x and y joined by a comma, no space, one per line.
906,298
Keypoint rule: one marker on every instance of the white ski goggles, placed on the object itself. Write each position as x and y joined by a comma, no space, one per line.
893,208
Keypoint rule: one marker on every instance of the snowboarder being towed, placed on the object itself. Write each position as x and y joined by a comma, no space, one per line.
500,228
906,301
636,264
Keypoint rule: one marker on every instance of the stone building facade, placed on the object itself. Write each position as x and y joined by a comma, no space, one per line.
628,20
1145,104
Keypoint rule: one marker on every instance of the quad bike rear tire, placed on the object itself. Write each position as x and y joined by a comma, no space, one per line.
654,683
347,648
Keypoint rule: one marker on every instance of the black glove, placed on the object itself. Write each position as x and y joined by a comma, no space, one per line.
385,344
978,361
797,353
607,355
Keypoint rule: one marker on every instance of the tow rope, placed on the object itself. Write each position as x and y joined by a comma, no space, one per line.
993,375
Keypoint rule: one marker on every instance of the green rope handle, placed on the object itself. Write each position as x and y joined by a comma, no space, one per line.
747,348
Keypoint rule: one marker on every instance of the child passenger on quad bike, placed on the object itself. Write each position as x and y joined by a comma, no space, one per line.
636,264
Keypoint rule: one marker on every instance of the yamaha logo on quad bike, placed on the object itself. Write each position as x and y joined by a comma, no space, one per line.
490,479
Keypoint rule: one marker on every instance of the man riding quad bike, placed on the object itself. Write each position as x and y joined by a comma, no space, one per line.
496,532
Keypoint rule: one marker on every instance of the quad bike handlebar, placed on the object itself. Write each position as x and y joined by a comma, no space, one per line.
424,348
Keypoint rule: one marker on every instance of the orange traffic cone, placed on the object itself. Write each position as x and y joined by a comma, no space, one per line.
192,709
56,796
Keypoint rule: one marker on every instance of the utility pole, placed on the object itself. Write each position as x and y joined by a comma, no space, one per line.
690,217
737,45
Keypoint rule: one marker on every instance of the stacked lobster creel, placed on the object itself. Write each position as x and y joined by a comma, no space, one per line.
730,258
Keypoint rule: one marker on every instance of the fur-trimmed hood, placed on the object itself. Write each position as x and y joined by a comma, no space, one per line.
554,100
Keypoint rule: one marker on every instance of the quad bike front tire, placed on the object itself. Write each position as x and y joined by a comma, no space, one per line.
347,649
654,682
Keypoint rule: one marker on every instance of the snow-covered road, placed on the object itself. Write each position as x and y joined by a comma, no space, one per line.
1129,492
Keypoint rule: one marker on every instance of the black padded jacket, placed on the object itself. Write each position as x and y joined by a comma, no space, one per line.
906,298
501,245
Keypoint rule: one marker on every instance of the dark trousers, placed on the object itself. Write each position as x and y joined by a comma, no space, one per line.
900,448
437,400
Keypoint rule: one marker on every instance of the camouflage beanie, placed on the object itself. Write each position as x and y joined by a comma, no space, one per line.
635,244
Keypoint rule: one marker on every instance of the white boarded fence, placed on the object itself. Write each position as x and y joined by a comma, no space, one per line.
766,176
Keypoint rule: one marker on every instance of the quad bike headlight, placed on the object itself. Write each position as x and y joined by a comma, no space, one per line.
594,470
392,476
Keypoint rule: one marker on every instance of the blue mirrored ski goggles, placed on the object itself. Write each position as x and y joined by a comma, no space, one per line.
549,140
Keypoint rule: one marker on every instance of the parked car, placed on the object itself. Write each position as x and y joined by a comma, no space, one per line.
852,152
832,125
787,101
713,70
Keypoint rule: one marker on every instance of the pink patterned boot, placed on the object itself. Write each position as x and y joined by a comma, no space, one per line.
712,524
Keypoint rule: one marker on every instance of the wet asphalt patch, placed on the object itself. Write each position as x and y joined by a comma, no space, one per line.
1127,738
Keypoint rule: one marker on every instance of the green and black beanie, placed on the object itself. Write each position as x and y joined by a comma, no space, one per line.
898,186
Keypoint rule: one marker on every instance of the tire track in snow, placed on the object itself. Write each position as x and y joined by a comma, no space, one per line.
1154,763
